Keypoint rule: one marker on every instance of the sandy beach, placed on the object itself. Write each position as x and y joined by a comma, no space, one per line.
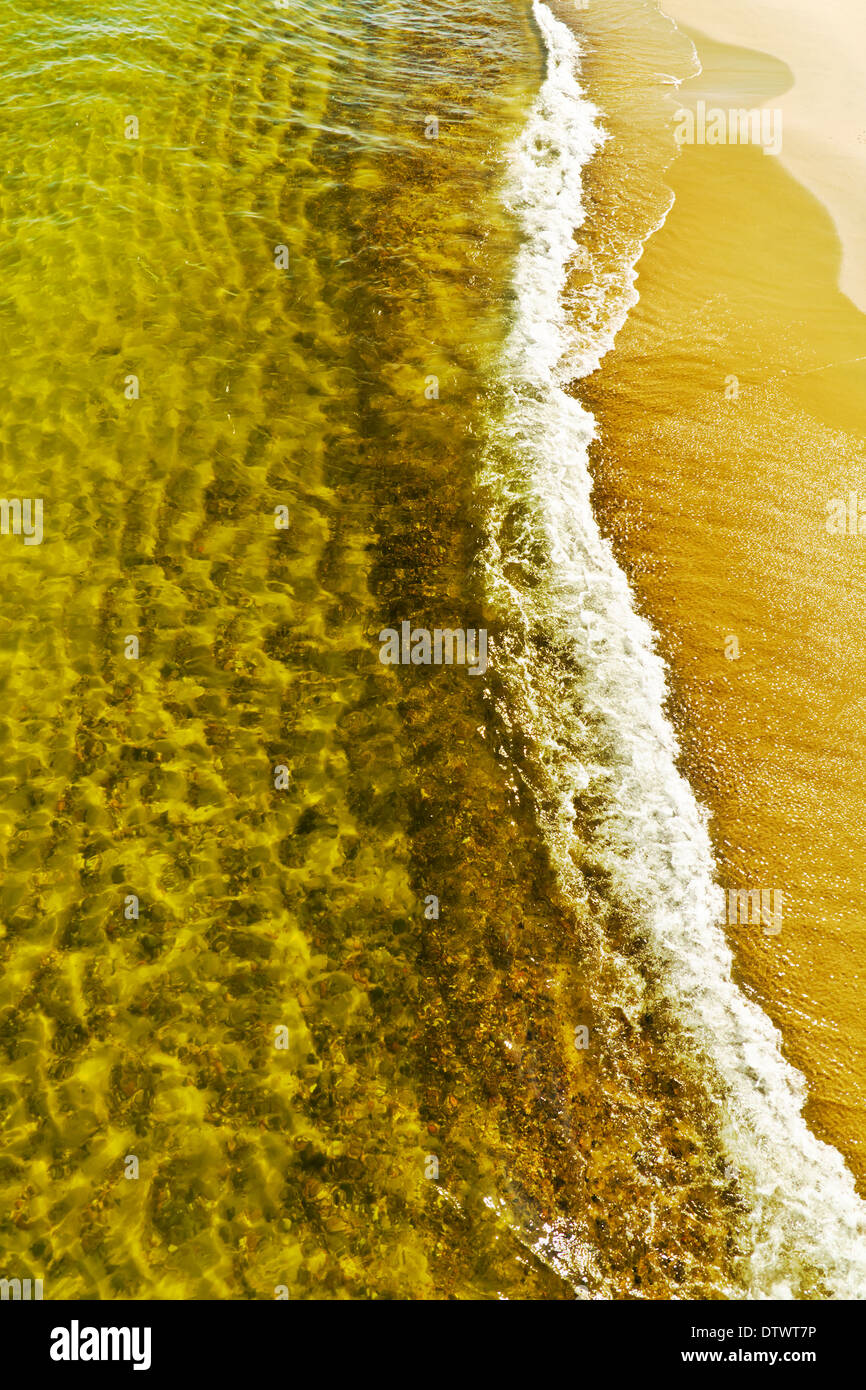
730,416
824,112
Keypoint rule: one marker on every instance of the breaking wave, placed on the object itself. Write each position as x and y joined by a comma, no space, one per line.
589,690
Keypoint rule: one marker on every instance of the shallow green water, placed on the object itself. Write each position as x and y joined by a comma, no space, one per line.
155,258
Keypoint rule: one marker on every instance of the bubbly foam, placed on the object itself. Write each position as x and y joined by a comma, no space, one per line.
592,692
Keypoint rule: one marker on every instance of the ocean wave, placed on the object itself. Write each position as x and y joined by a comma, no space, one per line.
589,690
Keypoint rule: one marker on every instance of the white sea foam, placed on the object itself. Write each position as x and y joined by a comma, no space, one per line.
590,690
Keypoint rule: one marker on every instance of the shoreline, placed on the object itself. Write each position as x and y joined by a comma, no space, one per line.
824,141
722,434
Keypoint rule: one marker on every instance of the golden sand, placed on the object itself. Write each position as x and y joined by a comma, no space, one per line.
731,414
823,110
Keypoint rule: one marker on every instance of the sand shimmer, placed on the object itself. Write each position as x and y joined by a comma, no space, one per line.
824,113
730,416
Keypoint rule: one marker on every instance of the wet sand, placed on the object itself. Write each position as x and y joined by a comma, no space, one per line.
824,111
730,416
